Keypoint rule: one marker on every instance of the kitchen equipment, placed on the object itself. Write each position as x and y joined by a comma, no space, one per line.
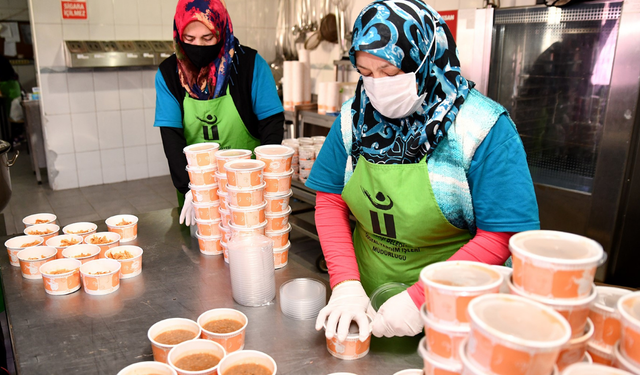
5,177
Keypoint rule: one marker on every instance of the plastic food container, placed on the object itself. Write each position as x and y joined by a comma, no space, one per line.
61,276
450,286
16,244
209,245
129,267
32,258
148,368
161,351
225,217
225,232
200,176
83,252
511,335
592,369
240,231
230,341
222,181
351,348
574,351
45,231
600,355
302,298
281,256
125,225
225,156
622,362
554,264
225,250
201,154
410,372
278,203
279,237
277,220
277,158
605,316
204,194
629,307
443,340
104,240
207,211
434,367
245,197
278,183
80,229
223,197
208,228
63,241
384,292
506,276
42,218
100,276
244,357
244,173
196,346
248,216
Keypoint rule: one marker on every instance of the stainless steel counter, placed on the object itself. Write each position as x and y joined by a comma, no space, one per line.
83,334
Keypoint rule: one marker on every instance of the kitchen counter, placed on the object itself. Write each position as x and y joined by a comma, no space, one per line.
83,334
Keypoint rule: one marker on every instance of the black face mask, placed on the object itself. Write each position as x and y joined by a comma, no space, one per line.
201,56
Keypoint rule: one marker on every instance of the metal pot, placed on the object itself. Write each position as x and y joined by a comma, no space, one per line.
5,177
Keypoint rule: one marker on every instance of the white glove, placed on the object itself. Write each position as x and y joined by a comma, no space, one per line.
348,303
399,316
187,215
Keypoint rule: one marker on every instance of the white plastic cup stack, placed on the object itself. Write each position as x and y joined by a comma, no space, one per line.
307,156
252,271
302,298
295,160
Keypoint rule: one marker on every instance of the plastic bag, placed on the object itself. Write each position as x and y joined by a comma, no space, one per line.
16,114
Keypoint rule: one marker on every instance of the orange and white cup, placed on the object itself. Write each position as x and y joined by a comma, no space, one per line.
32,258
225,232
601,355
450,286
225,156
82,229
221,179
200,176
59,242
622,362
42,218
629,307
100,277
148,367
279,237
223,197
351,348
112,238
225,217
192,347
245,357
58,284
506,277
592,369
443,340
205,193
209,228
82,252
281,255
553,264
244,173
161,351
248,216
574,351
434,366
225,250
245,197
130,267
16,244
45,231
512,335
128,232
231,341
240,231
605,316
278,183
278,203
209,245
277,158
207,211
201,154
277,220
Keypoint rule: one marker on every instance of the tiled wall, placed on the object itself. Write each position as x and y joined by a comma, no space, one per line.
14,10
99,124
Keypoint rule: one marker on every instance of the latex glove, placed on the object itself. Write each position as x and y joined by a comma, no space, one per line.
399,316
187,215
348,303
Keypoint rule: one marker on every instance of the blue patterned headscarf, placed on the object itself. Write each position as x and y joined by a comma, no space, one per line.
401,31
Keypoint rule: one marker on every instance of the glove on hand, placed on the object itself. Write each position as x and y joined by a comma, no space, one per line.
187,215
348,303
399,316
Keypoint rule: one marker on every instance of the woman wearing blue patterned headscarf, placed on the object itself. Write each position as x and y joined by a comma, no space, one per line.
431,170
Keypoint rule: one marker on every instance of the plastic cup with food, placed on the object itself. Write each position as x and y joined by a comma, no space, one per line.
225,250
61,276
130,258
575,349
104,240
224,326
63,241
45,231
207,211
225,232
281,255
42,218
166,334
245,197
599,354
279,237
200,176
622,362
277,158
209,245
201,154
248,216
225,156
125,225
351,348
244,173
443,340
208,228
592,369
277,220
148,368
278,183
205,193
16,244
277,203
241,231
247,362
225,217
605,316
629,307
221,179
196,357
506,276
223,198
432,366
82,252
101,276
80,229
32,258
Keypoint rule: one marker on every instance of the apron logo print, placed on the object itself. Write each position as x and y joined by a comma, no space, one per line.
211,120
210,133
389,223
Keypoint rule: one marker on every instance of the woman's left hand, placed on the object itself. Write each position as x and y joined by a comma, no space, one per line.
399,316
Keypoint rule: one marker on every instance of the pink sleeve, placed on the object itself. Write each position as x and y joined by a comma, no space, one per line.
334,231
485,247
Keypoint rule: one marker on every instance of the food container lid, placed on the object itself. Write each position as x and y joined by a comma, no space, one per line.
384,292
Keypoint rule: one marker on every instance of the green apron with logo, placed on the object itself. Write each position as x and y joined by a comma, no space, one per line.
400,228
215,120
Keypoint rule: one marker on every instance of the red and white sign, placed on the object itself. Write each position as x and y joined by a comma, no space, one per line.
451,18
74,10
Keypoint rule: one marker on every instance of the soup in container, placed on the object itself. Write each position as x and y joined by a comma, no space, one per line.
574,351
244,173
279,237
277,220
225,156
42,218
16,244
130,258
207,211
622,362
450,286
512,335
277,158
443,340
601,355
100,276
104,240
223,197
201,154
83,252
204,194
221,178
61,276
629,307
125,225
209,245
166,334
237,230
248,216
244,361
605,316
196,357
208,228
45,231
281,256
32,258
80,229
200,176
592,369
148,368
245,197
278,203
351,348
63,241
225,326
432,366
278,183
553,264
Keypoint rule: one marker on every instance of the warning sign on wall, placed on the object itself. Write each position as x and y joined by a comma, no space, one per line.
74,10
451,18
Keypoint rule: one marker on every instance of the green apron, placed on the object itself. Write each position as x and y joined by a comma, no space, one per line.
400,228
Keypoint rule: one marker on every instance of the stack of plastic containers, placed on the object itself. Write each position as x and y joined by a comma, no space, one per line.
306,156
201,166
302,298
277,177
295,160
318,141
251,267
627,351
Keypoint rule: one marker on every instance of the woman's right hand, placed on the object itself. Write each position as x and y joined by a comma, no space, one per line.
348,303
187,215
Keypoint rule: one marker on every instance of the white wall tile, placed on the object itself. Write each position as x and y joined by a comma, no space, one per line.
263,13
152,134
72,31
100,12
58,134
130,85
168,11
133,127
137,171
158,168
65,174
149,12
85,131
149,88
153,32
237,11
46,11
444,4
55,93
113,169
472,4
136,162
110,130
90,177
89,168
127,32
48,39
522,3
102,32
107,93
167,31
125,12
81,97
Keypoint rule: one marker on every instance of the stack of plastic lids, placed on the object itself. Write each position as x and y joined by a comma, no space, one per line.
251,267
302,298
